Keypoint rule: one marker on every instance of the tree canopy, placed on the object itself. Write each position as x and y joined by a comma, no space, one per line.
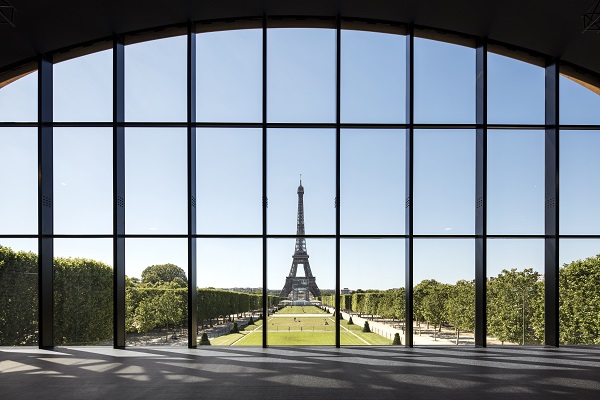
163,273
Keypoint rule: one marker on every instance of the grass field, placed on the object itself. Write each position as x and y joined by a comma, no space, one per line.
301,310
232,338
303,331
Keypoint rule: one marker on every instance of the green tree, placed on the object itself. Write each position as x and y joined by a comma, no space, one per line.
358,301
18,297
579,301
460,307
515,306
420,291
434,306
83,301
163,273
204,340
366,327
169,307
144,318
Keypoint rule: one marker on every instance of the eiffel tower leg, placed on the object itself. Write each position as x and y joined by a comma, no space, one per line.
312,286
287,289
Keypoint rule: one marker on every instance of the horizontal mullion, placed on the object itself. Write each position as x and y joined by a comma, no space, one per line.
292,236
579,127
299,125
18,124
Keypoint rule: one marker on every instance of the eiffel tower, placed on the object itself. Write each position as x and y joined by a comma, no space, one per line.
300,257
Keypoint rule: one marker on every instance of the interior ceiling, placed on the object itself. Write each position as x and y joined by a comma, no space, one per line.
550,27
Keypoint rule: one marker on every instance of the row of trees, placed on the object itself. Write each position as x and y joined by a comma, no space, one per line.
83,306
83,300
515,304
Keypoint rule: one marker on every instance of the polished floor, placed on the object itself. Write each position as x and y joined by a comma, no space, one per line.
308,373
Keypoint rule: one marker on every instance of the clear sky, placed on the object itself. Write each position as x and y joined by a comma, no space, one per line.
301,88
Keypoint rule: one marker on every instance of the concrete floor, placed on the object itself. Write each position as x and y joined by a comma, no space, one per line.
308,373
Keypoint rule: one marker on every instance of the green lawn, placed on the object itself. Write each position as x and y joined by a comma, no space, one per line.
301,310
305,331
228,340
371,338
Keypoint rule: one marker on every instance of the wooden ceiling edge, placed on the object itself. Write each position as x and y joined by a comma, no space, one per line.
15,74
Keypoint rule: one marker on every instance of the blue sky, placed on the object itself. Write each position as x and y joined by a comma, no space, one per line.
301,88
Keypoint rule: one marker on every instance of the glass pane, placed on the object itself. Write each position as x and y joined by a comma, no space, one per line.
444,83
372,298
83,292
83,88
156,292
515,187
310,153
156,80
83,180
579,291
579,191
301,78
373,164
373,77
578,104
156,180
515,291
19,178
18,292
297,315
444,187
230,291
229,76
444,292
516,91
229,181
18,100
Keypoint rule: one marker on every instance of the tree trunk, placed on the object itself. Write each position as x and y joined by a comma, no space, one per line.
457,336
434,333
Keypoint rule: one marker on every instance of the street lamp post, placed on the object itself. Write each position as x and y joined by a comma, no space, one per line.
523,291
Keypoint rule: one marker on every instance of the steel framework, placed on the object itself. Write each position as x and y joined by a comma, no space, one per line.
300,256
46,235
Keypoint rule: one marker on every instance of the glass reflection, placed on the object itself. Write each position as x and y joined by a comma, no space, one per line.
444,182
444,83
83,292
301,78
373,77
515,291
372,181
156,292
230,292
229,76
373,293
296,313
18,292
444,292
19,178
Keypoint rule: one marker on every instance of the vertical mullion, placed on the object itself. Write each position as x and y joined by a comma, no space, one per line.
551,266
408,266
480,195
191,187
45,204
265,303
119,193
337,179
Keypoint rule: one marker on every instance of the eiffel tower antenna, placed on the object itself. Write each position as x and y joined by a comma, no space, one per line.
300,256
